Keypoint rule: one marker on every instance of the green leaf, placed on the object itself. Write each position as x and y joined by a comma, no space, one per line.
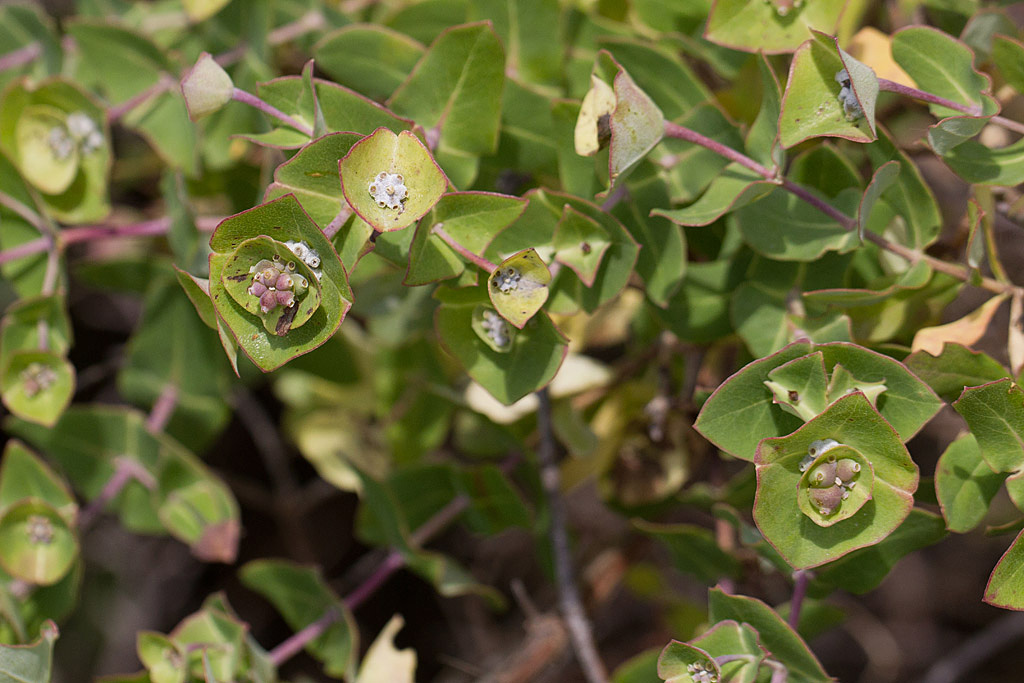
853,422
204,516
456,89
370,59
37,385
909,194
863,570
312,176
1005,586
122,63
883,177
811,106
907,404
995,416
49,161
1008,55
693,550
25,24
172,347
730,638
678,661
302,596
660,73
735,187
636,123
385,161
686,168
164,662
537,227
531,31
580,242
536,354
37,544
30,663
85,198
775,635
965,484
976,163
19,330
782,226
941,65
955,369
87,444
769,27
343,109
662,259
24,475
198,292
472,218
282,219
762,143
798,386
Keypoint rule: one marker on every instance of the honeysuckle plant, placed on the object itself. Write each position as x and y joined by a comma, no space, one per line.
730,258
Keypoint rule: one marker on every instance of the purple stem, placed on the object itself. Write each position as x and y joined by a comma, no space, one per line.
23,55
674,130
270,110
338,221
476,259
801,577
970,110
907,91
27,249
953,270
125,470
394,561
24,211
162,409
163,85
157,226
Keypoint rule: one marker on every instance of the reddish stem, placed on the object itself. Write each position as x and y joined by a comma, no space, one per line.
163,85
125,470
240,95
394,561
970,110
801,577
21,56
476,259
163,409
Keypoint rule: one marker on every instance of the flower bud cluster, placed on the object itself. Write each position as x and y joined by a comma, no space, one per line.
37,378
306,254
39,530
831,481
699,673
84,131
497,328
276,284
388,190
78,131
507,280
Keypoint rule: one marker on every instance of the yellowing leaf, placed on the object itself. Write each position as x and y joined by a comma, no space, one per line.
384,663
967,330
872,47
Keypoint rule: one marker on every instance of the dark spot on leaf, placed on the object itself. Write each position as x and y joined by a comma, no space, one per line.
794,396
239,277
585,247
284,323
